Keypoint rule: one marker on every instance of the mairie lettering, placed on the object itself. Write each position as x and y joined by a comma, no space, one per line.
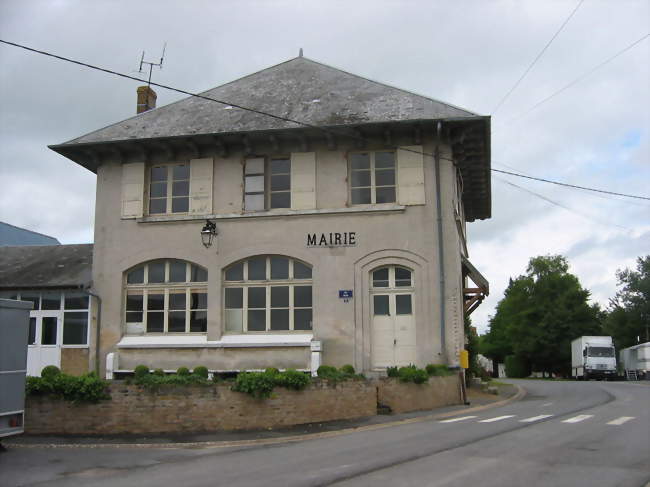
332,239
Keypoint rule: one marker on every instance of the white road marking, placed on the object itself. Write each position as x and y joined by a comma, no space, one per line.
547,404
621,420
577,419
457,419
498,418
535,418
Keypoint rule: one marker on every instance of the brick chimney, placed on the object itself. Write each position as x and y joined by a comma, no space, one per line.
146,99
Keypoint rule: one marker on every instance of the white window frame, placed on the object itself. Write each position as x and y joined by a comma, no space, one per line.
373,186
60,313
166,288
169,197
266,174
291,282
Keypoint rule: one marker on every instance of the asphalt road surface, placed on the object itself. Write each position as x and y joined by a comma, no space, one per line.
593,434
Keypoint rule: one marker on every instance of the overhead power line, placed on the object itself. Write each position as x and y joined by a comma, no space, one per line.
286,119
541,53
576,80
571,185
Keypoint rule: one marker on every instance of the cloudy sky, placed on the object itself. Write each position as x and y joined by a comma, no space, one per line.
469,53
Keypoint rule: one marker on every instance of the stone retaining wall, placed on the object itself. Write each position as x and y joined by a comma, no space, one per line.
133,410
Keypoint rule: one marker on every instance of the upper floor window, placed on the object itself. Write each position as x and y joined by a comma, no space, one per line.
166,296
267,183
372,177
268,293
169,188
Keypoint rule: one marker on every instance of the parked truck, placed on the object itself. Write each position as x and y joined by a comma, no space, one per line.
593,357
635,361
14,329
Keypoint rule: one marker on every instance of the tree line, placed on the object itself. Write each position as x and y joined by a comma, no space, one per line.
546,308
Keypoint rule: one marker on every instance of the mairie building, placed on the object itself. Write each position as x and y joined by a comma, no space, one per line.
298,216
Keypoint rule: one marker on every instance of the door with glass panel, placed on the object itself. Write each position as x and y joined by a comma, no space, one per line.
44,342
393,336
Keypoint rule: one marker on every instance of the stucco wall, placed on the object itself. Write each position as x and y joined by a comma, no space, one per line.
404,236
74,361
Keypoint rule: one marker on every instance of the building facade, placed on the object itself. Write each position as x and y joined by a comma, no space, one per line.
339,239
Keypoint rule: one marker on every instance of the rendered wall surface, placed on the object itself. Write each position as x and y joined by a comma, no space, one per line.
406,236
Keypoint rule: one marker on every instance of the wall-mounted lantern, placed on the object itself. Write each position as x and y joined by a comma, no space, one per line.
208,232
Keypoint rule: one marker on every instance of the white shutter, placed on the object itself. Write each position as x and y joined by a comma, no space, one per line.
132,189
201,186
303,180
410,175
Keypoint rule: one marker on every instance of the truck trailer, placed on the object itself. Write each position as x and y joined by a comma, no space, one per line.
14,329
593,357
635,361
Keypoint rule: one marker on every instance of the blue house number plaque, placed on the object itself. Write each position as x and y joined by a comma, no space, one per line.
345,294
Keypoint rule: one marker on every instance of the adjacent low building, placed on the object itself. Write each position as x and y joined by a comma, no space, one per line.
328,225
56,279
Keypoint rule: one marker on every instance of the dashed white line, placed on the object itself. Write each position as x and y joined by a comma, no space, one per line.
547,404
498,418
535,418
621,420
457,419
577,419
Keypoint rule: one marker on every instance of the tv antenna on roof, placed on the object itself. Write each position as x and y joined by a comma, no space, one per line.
150,64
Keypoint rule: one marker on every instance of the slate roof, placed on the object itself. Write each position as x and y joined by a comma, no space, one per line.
12,235
299,89
46,266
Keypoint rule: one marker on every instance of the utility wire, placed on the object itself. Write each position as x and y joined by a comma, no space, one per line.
541,53
286,119
564,207
575,81
571,185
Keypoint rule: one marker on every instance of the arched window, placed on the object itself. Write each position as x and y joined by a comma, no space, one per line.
268,293
166,296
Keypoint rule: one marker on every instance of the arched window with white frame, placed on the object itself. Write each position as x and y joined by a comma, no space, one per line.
268,293
166,296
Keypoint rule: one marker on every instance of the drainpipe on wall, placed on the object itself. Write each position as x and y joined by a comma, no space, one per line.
441,253
99,320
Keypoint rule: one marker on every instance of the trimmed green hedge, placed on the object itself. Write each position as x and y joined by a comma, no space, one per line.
85,388
261,384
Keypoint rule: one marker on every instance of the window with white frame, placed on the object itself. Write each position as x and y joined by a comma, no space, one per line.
166,296
268,293
267,183
72,306
372,177
169,188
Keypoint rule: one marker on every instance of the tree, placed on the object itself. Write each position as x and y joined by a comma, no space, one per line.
628,317
541,312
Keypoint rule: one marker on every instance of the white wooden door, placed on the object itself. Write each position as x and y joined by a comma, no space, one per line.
45,342
393,334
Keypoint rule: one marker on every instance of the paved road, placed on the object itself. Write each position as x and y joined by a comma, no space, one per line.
560,434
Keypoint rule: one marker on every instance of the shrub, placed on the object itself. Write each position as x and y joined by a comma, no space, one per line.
327,372
85,388
201,371
392,372
348,369
141,370
154,381
271,370
257,384
517,366
183,371
412,374
438,370
159,372
50,371
291,379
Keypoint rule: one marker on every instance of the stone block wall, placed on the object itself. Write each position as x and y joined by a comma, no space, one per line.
406,397
173,409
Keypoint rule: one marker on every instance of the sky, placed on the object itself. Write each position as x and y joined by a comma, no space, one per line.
469,53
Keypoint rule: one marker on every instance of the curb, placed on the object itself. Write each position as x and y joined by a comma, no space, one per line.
521,393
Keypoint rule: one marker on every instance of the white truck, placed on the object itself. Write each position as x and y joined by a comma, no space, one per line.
593,357
635,361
